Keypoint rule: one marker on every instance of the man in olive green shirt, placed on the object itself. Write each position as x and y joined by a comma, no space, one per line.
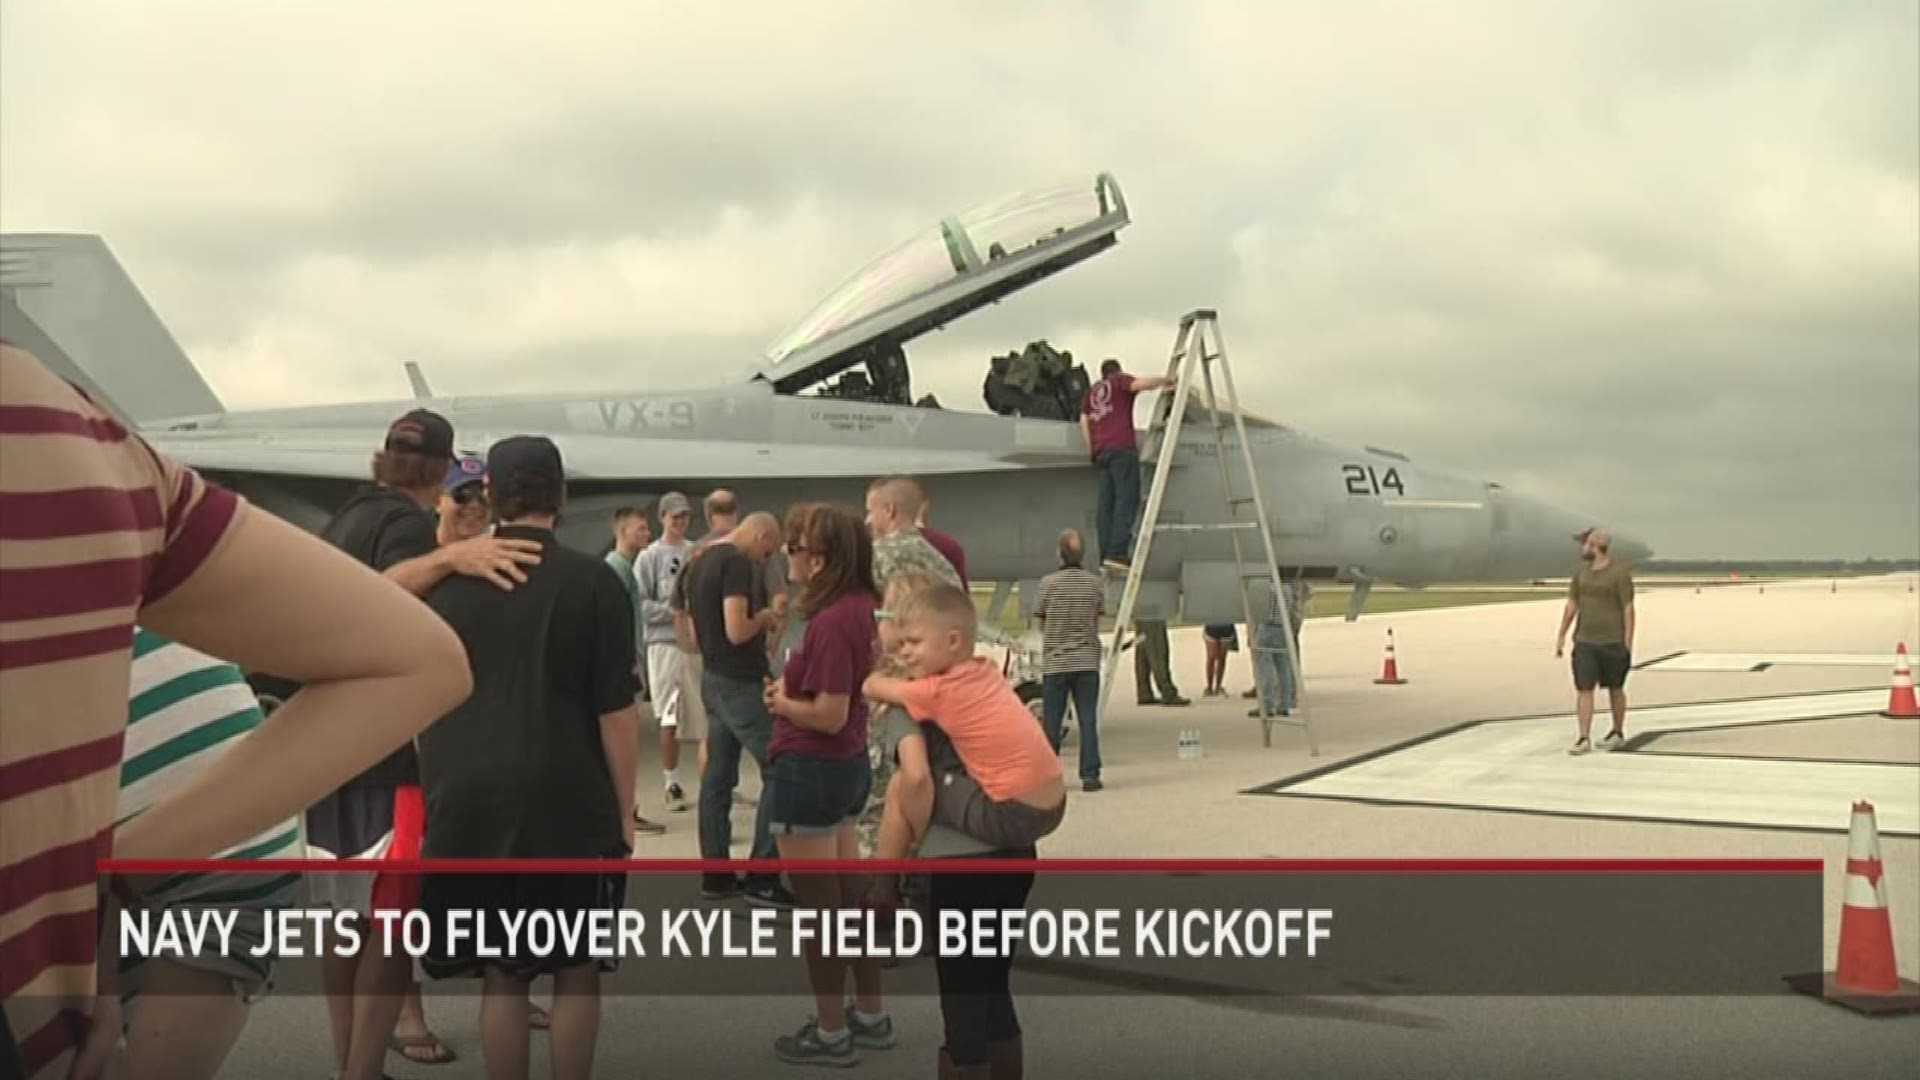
1601,596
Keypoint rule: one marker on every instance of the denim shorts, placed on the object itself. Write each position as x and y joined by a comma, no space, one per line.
815,796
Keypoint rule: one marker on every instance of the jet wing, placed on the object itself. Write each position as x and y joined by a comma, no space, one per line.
344,454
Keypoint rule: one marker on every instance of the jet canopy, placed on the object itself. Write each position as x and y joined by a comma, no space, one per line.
965,262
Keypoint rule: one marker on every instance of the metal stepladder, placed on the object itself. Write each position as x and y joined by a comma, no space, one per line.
1197,348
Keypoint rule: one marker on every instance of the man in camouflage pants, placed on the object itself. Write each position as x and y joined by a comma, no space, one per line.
899,553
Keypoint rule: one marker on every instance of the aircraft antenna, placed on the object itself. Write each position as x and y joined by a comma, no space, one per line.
1197,349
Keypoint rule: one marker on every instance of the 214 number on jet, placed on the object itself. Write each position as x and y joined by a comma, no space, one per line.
1363,480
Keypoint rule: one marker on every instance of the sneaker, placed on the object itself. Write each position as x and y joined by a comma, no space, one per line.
875,1036
1175,702
1580,746
676,799
805,1047
1091,785
719,886
772,894
643,827
1614,740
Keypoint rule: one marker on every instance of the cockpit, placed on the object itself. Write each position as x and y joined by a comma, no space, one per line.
965,262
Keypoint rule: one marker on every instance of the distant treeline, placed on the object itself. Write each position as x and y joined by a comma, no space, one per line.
1781,566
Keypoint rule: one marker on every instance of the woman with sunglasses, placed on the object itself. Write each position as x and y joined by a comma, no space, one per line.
463,500
820,771
799,571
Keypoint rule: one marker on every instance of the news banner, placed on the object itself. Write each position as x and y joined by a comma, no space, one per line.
1213,927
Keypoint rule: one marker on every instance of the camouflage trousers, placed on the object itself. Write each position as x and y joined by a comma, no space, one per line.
882,763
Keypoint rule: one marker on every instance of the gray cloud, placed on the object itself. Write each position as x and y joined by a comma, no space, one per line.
1658,261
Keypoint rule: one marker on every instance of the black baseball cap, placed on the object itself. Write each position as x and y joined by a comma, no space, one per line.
524,457
422,432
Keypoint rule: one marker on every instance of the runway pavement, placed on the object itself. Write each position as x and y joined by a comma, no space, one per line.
1463,665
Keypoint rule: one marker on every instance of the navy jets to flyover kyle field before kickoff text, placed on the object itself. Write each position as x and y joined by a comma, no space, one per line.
1005,485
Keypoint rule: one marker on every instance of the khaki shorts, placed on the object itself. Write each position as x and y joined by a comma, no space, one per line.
692,721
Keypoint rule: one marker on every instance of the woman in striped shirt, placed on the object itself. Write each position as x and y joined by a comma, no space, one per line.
98,530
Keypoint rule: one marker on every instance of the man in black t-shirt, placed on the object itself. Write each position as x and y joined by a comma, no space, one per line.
388,526
538,763
731,619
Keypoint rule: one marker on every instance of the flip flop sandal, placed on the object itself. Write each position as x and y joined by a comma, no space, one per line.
537,1018
407,1045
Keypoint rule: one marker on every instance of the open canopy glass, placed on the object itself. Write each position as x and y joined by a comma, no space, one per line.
964,261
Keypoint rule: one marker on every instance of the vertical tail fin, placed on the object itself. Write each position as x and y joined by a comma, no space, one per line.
65,298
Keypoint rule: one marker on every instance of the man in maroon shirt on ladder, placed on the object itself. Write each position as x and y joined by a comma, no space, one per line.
1106,419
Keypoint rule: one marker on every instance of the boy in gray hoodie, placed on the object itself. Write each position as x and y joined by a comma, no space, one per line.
654,574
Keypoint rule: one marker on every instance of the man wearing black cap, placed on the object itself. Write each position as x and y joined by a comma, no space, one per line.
538,763
390,526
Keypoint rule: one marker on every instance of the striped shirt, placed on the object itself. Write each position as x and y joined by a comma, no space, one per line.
1070,603
184,710
93,526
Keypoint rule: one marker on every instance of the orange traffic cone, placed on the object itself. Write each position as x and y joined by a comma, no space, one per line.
1901,704
1865,978
1390,671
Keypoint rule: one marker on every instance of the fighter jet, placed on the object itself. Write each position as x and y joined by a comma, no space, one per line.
780,432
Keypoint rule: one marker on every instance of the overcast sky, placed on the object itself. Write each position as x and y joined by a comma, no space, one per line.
1659,261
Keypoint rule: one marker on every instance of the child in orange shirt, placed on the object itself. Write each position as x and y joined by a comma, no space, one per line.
1001,783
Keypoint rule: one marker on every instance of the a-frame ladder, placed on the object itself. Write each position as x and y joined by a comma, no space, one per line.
1197,350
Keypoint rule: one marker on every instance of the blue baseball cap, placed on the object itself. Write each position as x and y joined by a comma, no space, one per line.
466,469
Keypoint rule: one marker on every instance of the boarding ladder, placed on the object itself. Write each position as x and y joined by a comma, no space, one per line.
1197,350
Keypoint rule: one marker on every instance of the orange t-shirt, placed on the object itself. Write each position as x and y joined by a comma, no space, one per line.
1002,747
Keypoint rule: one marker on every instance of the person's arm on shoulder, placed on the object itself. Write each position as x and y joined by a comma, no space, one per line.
498,560
377,666
614,690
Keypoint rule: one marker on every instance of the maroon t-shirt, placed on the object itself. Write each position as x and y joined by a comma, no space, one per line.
835,657
1110,405
949,547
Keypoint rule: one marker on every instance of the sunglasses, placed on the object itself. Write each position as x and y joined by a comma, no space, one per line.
471,493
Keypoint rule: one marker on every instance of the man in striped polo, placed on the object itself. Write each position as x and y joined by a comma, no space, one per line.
186,709
1069,606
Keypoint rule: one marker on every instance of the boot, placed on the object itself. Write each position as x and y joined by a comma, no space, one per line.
1007,1060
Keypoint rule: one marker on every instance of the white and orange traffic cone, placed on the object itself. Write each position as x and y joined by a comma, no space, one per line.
1901,703
1390,671
1865,976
